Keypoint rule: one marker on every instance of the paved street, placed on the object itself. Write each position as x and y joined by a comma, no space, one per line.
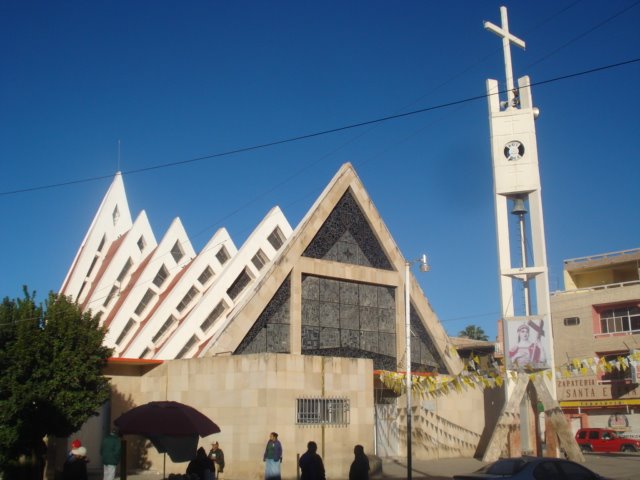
617,466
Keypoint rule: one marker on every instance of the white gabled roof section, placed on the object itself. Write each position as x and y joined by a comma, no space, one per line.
162,322
142,295
133,248
111,220
195,324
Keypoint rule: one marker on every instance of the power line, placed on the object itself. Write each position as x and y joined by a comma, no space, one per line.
314,134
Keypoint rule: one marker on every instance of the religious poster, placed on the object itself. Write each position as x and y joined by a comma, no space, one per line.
527,344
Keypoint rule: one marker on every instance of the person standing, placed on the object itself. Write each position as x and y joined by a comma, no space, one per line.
75,467
201,466
360,467
110,451
217,456
311,463
272,458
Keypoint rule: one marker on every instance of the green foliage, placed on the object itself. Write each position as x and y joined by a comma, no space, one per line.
474,332
51,363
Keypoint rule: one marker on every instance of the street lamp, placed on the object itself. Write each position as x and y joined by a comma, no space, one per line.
424,267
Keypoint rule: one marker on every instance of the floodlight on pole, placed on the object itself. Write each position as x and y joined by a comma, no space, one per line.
424,267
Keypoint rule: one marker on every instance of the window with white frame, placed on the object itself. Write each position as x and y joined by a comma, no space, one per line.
161,276
102,242
259,260
571,321
93,264
322,411
222,255
188,346
115,215
148,296
125,270
186,300
239,284
125,331
165,327
177,252
213,316
112,294
276,238
620,319
206,274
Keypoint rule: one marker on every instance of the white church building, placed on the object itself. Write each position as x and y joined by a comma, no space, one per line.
285,333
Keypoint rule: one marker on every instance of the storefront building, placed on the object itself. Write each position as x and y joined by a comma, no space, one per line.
596,327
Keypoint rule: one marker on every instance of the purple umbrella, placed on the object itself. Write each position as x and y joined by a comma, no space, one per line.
172,427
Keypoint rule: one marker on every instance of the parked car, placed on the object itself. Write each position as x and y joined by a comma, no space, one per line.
605,440
532,468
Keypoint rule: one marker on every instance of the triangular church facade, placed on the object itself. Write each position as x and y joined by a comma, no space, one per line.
284,333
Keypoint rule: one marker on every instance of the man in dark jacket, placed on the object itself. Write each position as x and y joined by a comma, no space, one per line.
217,455
360,467
311,464
110,453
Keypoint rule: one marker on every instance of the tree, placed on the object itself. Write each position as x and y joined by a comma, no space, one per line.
51,363
474,332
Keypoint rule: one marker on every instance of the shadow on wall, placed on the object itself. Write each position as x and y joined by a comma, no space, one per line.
137,446
494,400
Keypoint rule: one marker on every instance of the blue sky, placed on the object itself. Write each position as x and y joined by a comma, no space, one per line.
174,81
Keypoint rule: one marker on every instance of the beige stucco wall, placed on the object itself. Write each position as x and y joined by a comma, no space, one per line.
448,426
249,396
579,340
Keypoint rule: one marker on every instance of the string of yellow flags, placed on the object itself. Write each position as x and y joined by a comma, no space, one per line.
473,376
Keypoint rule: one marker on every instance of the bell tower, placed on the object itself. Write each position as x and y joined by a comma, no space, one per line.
524,284
523,273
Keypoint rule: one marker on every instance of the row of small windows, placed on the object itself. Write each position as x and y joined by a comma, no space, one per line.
614,320
259,260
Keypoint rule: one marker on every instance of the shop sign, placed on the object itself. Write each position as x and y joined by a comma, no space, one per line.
590,388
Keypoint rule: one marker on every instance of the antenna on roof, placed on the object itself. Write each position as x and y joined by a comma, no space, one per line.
118,155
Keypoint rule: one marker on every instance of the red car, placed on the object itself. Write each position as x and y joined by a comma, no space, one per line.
605,440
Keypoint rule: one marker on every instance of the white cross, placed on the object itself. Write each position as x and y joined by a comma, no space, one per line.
507,39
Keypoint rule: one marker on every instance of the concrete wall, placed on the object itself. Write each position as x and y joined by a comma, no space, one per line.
249,396
580,340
